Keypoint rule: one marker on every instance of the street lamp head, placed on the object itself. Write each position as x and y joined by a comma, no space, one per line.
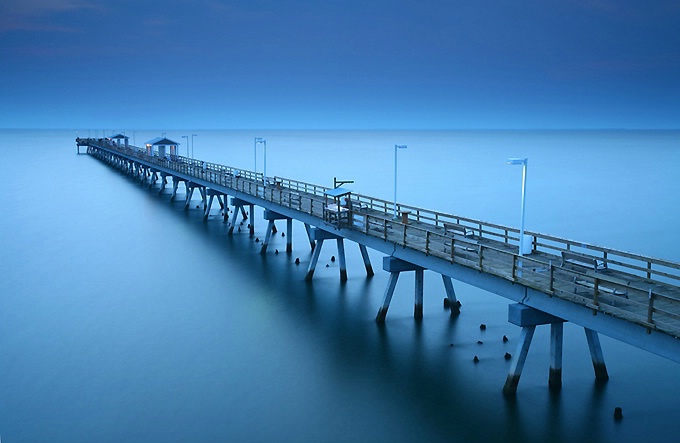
259,140
400,146
517,161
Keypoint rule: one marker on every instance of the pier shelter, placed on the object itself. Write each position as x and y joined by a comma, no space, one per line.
116,139
160,146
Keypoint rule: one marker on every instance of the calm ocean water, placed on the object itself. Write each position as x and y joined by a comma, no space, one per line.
125,318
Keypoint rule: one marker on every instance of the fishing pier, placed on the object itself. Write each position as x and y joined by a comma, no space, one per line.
629,297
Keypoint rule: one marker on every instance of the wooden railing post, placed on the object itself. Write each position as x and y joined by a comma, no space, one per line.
650,310
596,293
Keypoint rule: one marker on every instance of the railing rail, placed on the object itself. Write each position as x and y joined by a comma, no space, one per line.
493,249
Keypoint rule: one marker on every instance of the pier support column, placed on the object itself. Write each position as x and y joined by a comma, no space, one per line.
343,262
525,337
396,266
153,178
289,234
596,355
315,259
367,260
164,181
309,236
252,219
418,304
268,236
451,295
387,298
528,318
190,193
556,342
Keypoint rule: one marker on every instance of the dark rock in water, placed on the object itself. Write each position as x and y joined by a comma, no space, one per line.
508,356
276,251
482,327
283,234
327,265
450,345
618,413
297,261
447,303
476,359
479,342
458,303
505,339
332,258
197,206
257,239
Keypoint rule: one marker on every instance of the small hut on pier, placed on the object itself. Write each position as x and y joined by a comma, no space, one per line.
161,147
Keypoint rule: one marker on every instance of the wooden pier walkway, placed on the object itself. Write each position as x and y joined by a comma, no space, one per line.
631,297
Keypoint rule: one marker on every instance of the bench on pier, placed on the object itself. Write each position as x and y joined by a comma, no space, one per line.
600,288
586,261
357,205
455,228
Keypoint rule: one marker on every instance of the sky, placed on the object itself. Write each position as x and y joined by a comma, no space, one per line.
340,64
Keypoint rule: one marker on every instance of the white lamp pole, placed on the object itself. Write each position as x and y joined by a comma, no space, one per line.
192,144
396,147
264,142
187,137
523,162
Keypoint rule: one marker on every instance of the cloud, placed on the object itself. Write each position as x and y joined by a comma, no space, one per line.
36,15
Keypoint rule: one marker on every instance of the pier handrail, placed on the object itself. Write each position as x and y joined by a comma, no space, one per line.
491,249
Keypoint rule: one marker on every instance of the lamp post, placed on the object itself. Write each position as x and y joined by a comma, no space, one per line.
187,137
396,147
264,173
192,144
523,162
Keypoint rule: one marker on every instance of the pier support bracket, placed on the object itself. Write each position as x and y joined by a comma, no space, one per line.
175,183
319,235
396,266
238,205
272,216
528,318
